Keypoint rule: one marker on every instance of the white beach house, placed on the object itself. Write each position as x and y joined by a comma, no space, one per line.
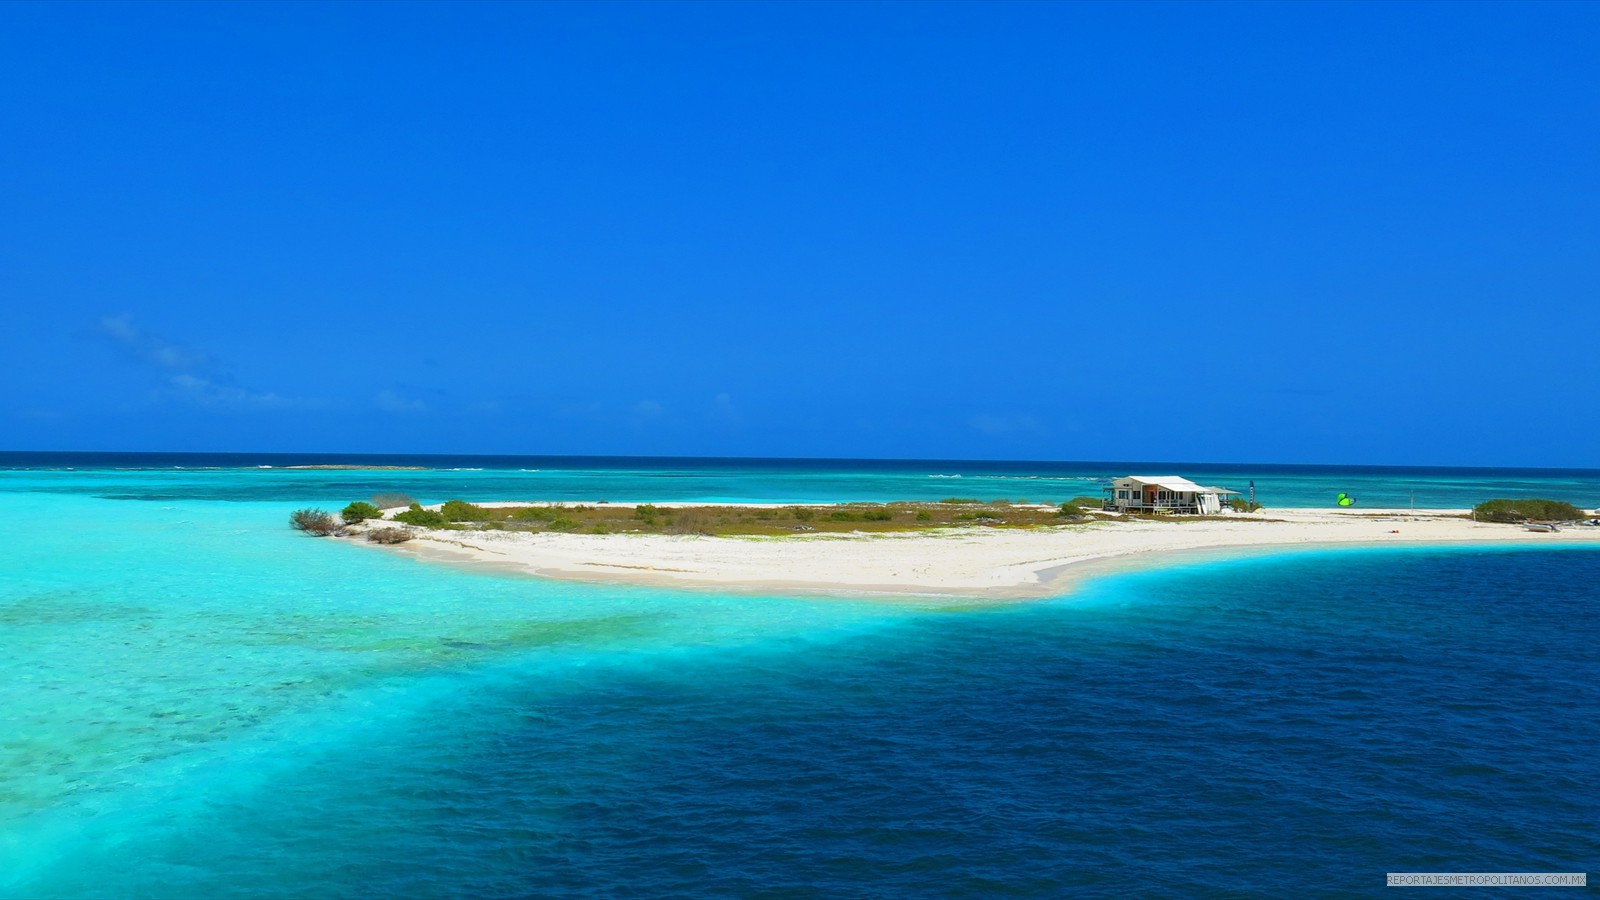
1165,493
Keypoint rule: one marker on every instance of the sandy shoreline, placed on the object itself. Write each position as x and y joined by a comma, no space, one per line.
973,562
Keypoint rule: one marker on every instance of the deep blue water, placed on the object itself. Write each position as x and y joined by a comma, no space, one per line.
196,702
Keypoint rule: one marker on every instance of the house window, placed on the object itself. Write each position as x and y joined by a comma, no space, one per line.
1122,495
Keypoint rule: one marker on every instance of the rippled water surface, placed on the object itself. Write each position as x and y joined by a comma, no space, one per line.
434,479
197,702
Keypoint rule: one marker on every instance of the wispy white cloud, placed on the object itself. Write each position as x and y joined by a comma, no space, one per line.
390,401
205,392
149,348
189,376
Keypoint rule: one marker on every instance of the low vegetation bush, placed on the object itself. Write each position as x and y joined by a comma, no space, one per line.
314,521
1522,510
861,515
360,511
425,518
389,535
961,500
924,516
803,513
1087,502
462,511
646,513
1239,504
692,521
1070,510
556,517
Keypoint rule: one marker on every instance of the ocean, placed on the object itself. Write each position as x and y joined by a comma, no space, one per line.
196,701
434,479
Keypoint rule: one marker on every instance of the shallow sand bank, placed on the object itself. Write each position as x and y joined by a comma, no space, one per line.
976,562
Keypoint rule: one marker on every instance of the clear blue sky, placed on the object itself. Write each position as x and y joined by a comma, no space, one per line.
1340,233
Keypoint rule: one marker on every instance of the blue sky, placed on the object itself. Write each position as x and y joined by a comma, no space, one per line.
1333,233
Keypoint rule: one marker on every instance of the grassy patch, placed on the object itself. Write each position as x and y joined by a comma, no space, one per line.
738,520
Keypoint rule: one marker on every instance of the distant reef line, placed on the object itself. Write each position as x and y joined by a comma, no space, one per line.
363,468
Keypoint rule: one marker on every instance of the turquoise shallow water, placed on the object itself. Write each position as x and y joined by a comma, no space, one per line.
217,477
197,702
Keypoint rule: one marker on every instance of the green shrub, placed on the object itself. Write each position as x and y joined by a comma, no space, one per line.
1087,502
844,515
360,511
646,513
425,518
1070,510
877,515
924,516
804,513
1239,504
1523,510
314,521
462,511
960,500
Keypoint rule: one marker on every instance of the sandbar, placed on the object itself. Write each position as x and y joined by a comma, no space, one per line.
968,562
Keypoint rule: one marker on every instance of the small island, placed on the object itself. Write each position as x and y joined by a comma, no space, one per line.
957,547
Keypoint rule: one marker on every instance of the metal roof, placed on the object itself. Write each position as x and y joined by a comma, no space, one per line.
1175,483
1169,482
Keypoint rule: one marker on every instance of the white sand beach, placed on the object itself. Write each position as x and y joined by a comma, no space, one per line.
978,562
